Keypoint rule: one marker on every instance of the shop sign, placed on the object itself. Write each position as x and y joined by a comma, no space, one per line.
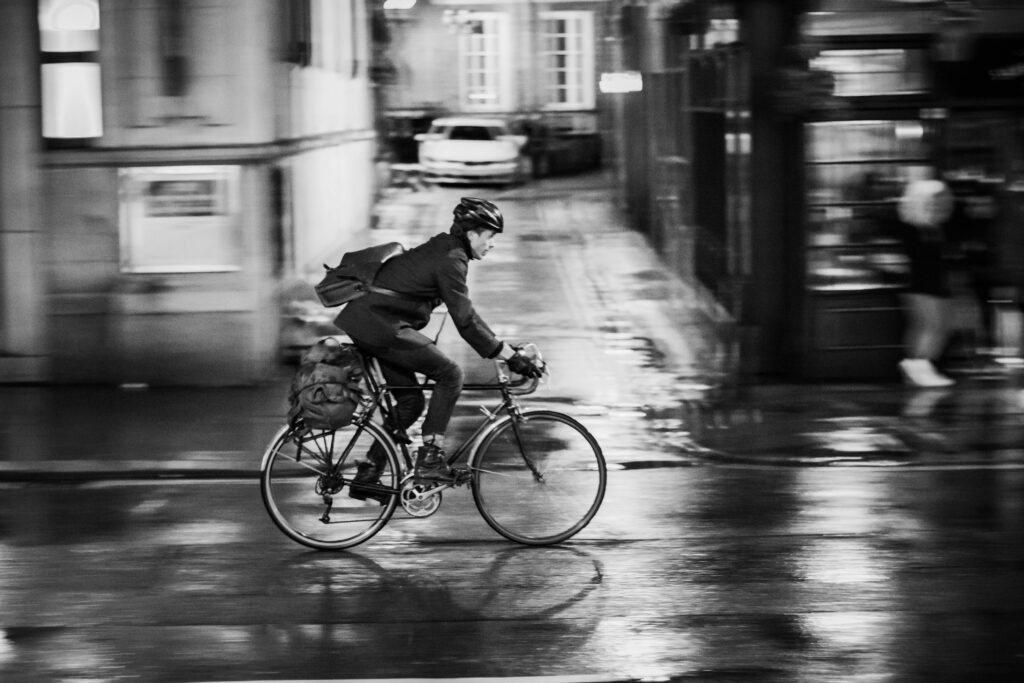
180,219
621,82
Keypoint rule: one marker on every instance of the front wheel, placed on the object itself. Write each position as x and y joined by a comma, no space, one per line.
538,478
306,480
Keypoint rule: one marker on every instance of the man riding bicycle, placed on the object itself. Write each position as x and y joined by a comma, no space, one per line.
387,326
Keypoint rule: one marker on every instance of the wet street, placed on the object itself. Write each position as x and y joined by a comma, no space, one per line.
749,532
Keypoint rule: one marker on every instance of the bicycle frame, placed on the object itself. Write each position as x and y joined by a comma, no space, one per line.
380,401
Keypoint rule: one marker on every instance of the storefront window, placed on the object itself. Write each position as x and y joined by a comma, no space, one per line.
874,72
180,219
855,171
868,17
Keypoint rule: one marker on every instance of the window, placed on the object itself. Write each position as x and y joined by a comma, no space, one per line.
338,35
875,72
69,39
471,133
298,27
567,58
180,219
175,49
326,34
855,170
484,75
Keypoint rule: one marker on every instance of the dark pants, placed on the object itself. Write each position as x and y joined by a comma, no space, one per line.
400,365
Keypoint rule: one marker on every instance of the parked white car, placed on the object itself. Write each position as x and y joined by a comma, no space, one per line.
466,150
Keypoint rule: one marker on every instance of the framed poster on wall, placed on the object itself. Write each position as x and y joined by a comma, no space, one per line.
180,219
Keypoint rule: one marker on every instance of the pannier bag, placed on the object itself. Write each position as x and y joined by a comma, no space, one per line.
325,392
353,277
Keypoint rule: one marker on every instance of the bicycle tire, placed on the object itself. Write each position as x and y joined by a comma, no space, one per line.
298,471
551,502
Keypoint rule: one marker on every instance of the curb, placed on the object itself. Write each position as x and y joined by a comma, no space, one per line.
93,470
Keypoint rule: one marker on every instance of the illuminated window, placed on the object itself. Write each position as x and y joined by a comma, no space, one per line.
71,100
875,72
567,56
69,25
71,84
484,72
180,219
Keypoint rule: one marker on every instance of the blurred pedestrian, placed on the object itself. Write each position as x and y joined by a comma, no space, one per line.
925,209
971,260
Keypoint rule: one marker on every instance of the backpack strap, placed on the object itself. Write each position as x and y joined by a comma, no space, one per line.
395,295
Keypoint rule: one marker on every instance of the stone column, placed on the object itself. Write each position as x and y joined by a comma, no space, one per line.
770,326
22,312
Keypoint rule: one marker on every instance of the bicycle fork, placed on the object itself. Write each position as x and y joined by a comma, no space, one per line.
517,420
537,475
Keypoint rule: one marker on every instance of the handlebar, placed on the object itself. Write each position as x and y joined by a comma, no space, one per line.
518,384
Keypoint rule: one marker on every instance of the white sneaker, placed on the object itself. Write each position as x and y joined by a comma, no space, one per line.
921,373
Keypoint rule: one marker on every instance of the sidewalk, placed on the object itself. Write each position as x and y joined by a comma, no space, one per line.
684,374
89,432
978,423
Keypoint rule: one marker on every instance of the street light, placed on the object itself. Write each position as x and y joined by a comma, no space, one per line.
621,82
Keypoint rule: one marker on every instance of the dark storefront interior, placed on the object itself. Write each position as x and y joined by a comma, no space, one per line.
800,124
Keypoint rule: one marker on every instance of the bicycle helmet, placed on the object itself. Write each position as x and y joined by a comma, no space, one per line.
479,213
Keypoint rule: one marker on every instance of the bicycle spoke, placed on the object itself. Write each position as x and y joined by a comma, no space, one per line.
306,465
305,480
540,480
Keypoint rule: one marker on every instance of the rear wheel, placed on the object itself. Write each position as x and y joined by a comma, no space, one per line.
539,478
306,483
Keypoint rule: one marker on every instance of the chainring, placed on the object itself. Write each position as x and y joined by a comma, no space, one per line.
415,503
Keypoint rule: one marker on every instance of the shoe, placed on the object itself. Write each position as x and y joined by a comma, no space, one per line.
431,463
921,373
367,474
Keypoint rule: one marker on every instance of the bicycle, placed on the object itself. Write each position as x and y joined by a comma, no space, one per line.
538,477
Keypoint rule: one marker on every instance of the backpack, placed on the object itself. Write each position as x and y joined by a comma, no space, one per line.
353,277
325,392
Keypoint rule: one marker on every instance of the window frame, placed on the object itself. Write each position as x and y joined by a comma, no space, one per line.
204,228
499,51
71,76
579,26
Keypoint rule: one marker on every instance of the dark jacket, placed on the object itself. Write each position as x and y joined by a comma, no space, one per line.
925,249
430,274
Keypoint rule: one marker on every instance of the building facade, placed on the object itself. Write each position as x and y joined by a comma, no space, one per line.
535,64
168,166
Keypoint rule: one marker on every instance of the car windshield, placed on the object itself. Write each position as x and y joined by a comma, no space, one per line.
471,133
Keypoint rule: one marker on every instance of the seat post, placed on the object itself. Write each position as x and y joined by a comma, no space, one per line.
373,372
